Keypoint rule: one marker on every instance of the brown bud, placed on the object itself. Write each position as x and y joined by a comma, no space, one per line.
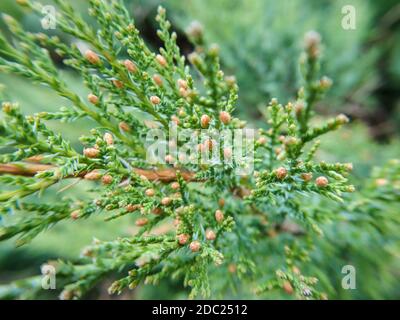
92,57
321,182
91,152
175,185
307,176
141,222
108,138
93,99
107,179
232,268
287,287
183,238
124,126
118,84
221,202
157,211
281,173
210,235
75,214
183,92
195,246
158,80
132,207
182,84
150,192
219,216
205,121
130,66
225,117
93,175
166,201
161,60
155,100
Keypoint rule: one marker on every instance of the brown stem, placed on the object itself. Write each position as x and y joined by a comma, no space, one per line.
31,169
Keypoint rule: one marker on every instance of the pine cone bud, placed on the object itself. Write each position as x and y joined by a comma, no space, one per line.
91,152
287,287
183,238
118,84
107,179
195,246
92,57
75,214
130,66
182,84
221,202
321,182
132,207
158,80
232,268
108,138
307,176
166,201
157,211
93,99
219,216
281,173
175,185
155,100
141,222
161,60
225,117
124,126
150,192
183,92
205,121
92,176
210,235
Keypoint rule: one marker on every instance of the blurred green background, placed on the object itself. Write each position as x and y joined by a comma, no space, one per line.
260,43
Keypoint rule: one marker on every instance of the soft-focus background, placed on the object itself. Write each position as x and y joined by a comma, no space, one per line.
260,43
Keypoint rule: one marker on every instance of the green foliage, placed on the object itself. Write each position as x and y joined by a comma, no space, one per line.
263,228
260,44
